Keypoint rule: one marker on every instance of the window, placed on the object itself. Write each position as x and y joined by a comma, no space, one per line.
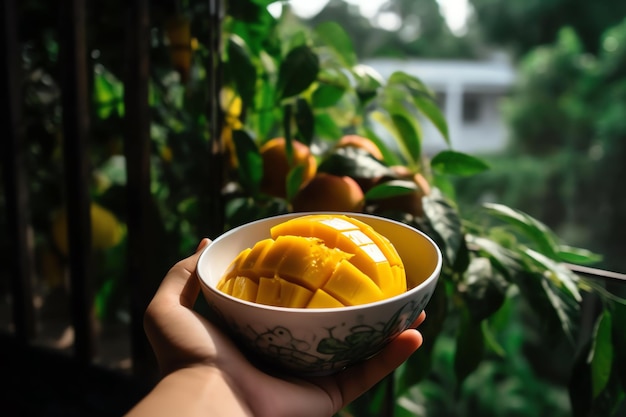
471,107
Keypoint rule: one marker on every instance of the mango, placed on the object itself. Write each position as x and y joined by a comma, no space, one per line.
317,261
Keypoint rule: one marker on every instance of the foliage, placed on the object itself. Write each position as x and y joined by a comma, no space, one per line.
282,79
421,30
487,260
563,114
522,26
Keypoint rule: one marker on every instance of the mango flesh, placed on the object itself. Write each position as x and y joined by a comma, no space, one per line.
317,261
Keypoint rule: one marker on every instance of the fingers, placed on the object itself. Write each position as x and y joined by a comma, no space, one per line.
355,381
420,319
176,286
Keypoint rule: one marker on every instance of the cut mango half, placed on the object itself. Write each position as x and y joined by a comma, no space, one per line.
317,261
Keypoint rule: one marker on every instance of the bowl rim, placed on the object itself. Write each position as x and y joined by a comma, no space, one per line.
434,275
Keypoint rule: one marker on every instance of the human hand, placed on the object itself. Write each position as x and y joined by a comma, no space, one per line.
185,343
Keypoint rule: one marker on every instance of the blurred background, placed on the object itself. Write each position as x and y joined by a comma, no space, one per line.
537,89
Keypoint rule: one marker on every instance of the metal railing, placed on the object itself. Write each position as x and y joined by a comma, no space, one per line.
17,351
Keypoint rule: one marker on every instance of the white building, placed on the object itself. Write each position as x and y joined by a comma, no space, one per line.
469,93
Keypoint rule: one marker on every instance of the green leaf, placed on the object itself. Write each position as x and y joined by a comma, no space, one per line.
391,189
294,180
533,229
353,162
297,72
577,256
265,3
108,93
504,260
566,308
470,347
619,340
368,81
420,363
253,12
326,127
423,99
389,157
240,69
560,275
304,121
412,83
445,222
334,36
483,290
250,162
265,119
429,108
326,95
409,134
601,354
457,163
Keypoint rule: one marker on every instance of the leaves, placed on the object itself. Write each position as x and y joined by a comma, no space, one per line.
483,290
533,229
446,224
390,189
297,71
457,163
420,362
354,162
335,37
601,354
240,69
250,163
423,100
558,273
469,347
577,256
304,121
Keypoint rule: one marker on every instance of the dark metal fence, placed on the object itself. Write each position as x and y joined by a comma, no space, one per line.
74,382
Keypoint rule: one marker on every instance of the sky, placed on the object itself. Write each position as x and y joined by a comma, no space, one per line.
454,11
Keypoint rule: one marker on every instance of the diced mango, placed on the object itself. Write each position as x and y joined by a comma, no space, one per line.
317,261
255,260
244,288
321,299
269,291
351,287
373,254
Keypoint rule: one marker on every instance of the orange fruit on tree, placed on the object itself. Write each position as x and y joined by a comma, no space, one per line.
327,192
276,165
362,142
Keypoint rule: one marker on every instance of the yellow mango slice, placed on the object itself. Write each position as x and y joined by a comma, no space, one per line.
280,292
244,288
321,299
374,255
351,287
317,261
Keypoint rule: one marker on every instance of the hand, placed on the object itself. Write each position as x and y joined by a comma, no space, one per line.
194,354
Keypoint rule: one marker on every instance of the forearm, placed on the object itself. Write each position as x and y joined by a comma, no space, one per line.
192,392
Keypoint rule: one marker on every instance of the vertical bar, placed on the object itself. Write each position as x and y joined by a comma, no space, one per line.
137,151
74,98
216,163
14,175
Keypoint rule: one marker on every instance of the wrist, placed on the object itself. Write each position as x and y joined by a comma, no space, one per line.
198,390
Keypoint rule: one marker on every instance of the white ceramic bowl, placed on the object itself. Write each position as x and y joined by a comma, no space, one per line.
319,341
